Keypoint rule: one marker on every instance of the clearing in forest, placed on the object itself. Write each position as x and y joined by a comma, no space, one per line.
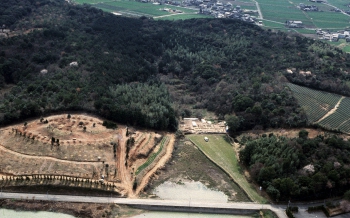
79,148
222,153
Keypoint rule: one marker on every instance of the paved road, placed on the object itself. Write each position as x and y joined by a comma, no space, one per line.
278,209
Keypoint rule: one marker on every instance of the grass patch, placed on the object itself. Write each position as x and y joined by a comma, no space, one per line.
135,8
222,153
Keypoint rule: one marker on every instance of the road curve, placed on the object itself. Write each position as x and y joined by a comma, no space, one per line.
278,209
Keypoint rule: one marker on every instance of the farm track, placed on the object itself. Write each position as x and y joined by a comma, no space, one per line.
3,149
259,10
123,174
331,111
161,163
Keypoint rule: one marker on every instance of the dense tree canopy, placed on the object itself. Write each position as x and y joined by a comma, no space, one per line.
221,65
299,168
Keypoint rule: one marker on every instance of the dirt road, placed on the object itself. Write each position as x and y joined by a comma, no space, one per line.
160,164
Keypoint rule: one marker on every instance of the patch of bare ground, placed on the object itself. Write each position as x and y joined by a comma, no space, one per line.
83,210
80,147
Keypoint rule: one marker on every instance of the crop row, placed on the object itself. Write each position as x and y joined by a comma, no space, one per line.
321,96
311,106
344,106
345,127
333,121
153,156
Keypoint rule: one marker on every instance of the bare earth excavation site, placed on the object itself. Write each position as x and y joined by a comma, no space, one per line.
79,151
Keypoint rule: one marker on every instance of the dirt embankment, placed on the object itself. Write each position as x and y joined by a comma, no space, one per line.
83,210
161,163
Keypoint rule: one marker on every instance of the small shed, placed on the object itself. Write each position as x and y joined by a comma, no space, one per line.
206,139
73,64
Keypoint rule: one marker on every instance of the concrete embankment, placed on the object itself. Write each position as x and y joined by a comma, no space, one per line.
189,209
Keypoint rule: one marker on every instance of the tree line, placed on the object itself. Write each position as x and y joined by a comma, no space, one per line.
298,168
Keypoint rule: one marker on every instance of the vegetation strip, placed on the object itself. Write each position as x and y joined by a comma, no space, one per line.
153,156
222,154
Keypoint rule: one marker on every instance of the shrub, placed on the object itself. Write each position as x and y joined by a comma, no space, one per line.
109,124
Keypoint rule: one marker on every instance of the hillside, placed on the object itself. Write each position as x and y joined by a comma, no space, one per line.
80,151
146,73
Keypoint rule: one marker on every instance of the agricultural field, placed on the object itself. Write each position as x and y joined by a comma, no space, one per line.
221,152
81,148
315,103
325,109
134,8
280,11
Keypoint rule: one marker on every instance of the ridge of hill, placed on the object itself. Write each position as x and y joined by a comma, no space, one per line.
144,72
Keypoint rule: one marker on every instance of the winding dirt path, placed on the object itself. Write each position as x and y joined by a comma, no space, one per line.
331,111
160,164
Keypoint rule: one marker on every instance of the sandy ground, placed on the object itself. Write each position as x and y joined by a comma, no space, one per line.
84,150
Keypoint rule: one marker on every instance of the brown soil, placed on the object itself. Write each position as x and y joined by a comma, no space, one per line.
83,210
160,164
81,152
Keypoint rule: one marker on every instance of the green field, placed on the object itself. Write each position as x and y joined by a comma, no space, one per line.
134,8
222,153
283,10
341,4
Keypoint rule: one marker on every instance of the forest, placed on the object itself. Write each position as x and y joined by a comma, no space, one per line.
298,168
148,73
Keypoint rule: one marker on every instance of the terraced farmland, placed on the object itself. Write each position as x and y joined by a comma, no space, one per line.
315,103
340,119
328,110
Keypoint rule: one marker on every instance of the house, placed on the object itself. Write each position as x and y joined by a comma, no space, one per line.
294,24
327,36
341,36
335,37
